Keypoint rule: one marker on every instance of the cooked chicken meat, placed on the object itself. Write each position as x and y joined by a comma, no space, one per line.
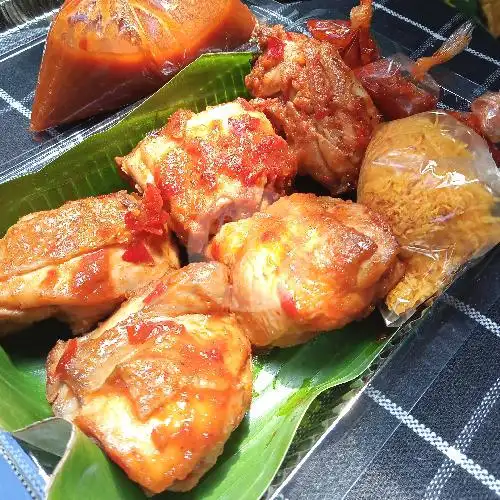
69,262
160,388
314,99
222,164
304,265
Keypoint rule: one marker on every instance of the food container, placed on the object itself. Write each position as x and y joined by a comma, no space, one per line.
24,157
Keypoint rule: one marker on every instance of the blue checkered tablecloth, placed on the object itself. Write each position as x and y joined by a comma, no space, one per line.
20,478
428,425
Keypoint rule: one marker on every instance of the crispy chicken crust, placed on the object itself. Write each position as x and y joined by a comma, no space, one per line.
316,102
162,383
219,165
306,264
68,263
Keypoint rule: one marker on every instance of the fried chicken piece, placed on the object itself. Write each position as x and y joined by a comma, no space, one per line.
69,262
314,99
163,383
484,119
306,264
219,165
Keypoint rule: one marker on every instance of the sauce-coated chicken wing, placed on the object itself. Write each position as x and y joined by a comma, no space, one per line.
162,383
312,97
68,263
222,164
305,265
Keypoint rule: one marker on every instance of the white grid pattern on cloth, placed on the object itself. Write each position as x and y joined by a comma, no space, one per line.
451,452
463,441
392,12
442,32
15,104
23,101
22,48
278,495
23,110
472,313
481,89
26,35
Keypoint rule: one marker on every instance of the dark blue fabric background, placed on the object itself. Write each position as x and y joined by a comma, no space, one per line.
442,374
10,486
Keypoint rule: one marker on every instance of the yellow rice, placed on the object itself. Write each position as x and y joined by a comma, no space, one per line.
424,182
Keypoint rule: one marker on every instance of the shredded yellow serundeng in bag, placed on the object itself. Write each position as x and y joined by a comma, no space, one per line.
424,179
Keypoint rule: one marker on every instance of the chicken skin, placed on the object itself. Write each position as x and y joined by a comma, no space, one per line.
304,265
69,263
219,165
313,98
162,383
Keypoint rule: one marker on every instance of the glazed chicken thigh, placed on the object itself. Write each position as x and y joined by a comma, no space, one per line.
162,383
222,164
314,99
68,263
304,265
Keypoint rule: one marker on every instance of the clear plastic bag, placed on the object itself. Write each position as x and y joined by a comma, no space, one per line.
401,87
393,93
487,110
436,183
102,55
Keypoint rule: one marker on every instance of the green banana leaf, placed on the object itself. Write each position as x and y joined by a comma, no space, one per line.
85,471
22,400
89,168
286,381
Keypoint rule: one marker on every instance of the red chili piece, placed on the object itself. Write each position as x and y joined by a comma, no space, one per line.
287,302
68,355
137,334
151,217
275,48
137,253
159,290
